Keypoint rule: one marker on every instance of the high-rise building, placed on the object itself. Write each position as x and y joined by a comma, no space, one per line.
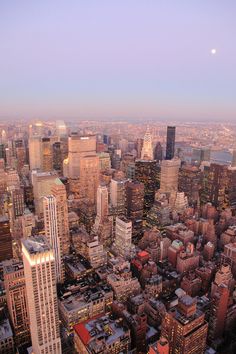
102,202
148,172
39,268
14,281
58,190
5,239
218,311
123,236
57,157
52,233
215,185
134,205
46,155
83,167
169,176
185,328
147,149
35,152
158,152
42,183
190,183
118,195
103,223
170,143
17,202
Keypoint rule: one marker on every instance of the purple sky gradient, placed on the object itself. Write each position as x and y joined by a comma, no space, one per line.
126,58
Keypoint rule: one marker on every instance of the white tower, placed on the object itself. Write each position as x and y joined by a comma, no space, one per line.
123,236
39,269
147,150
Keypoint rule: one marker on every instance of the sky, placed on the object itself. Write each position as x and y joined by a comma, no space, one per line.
146,59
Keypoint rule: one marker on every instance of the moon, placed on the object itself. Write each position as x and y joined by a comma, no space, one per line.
213,51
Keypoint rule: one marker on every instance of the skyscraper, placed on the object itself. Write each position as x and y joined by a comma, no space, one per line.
102,202
46,155
147,149
123,236
134,205
118,195
170,143
39,268
5,239
14,281
52,233
169,176
35,152
83,167
58,190
148,172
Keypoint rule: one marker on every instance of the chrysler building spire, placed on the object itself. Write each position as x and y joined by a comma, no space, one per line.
147,150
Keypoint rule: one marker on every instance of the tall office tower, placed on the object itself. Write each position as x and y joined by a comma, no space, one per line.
52,234
83,167
58,190
123,236
103,223
201,154
42,183
148,172
118,195
170,143
12,179
185,328
57,157
215,185
46,155
158,152
134,205
17,202
39,268
35,153
218,312
190,183
20,153
5,239
102,202
147,149
169,176
14,281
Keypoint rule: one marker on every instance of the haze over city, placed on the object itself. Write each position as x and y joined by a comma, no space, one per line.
171,60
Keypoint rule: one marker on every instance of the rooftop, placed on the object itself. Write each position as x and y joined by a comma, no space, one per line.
36,244
101,332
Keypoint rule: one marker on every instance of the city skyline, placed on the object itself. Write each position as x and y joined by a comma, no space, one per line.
126,60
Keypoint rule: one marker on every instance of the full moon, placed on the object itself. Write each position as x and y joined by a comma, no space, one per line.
213,51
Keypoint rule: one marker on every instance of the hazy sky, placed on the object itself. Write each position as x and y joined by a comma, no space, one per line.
118,58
